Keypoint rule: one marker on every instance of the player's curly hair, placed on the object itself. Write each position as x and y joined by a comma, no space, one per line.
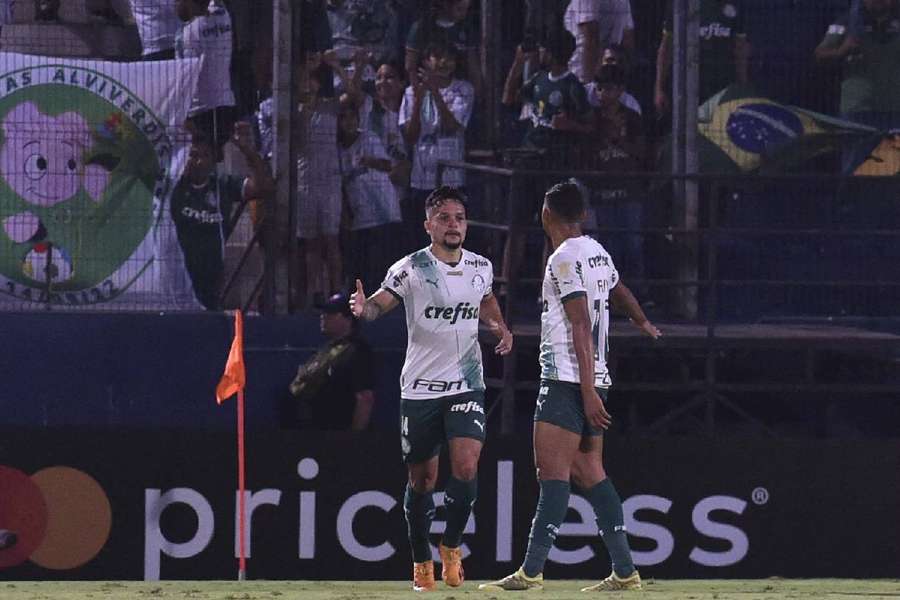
445,193
567,200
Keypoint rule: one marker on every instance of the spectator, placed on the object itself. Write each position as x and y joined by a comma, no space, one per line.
334,388
618,147
866,40
558,109
207,34
444,23
724,51
370,26
558,99
202,207
157,23
380,114
369,195
433,119
597,24
319,202
613,55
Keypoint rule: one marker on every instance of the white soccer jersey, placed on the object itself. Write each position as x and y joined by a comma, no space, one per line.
209,37
613,18
157,23
579,267
442,304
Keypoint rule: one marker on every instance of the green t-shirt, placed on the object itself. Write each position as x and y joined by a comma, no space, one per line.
202,217
549,97
721,21
871,74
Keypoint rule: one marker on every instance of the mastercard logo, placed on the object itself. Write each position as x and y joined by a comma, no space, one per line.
61,517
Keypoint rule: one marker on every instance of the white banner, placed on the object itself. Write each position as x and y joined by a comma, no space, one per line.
89,154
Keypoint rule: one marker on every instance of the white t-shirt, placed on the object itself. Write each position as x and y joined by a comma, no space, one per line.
579,267
157,24
432,145
388,129
385,124
613,18
209,37
371,196
442,304
626,99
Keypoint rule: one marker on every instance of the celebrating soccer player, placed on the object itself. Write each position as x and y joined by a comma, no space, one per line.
445,290
569,419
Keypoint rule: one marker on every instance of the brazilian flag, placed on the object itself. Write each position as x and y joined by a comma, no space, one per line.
748,132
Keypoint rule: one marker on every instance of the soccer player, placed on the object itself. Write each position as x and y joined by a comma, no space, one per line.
569,419
445,290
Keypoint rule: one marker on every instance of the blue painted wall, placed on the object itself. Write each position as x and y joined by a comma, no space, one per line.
151,370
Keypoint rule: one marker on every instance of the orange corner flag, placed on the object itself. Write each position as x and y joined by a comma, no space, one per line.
234,378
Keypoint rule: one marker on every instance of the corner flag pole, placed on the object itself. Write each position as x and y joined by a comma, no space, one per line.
242,509
233,381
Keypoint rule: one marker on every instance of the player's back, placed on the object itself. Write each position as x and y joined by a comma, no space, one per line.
579,267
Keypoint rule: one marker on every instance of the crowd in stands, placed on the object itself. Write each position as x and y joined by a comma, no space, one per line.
387,88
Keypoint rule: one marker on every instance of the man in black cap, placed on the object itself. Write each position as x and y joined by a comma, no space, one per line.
334,388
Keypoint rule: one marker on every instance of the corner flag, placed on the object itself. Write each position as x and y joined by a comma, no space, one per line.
234,378
233,381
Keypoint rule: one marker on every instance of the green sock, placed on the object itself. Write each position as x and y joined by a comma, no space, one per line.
419,510
459,497
551,510
611,523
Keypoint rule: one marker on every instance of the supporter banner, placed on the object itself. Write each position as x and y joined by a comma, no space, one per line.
98,504
88,158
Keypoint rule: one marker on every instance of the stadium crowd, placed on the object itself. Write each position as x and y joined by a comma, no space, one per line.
387,88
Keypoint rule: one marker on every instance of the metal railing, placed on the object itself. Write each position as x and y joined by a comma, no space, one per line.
728,304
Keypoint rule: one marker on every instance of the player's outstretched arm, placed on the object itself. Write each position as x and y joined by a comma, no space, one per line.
577,313
369,309
490,315
623,300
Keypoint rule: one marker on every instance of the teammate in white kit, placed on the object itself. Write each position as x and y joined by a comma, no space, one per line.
580,282
446,291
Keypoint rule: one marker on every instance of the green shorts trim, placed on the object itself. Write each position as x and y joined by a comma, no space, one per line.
426,424
559,403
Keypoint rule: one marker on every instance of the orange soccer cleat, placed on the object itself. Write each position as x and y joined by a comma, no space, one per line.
452,570
423,577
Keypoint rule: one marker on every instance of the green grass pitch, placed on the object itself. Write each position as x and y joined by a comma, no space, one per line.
756,589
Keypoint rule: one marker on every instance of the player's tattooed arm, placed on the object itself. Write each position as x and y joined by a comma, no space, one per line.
621,299
369,309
